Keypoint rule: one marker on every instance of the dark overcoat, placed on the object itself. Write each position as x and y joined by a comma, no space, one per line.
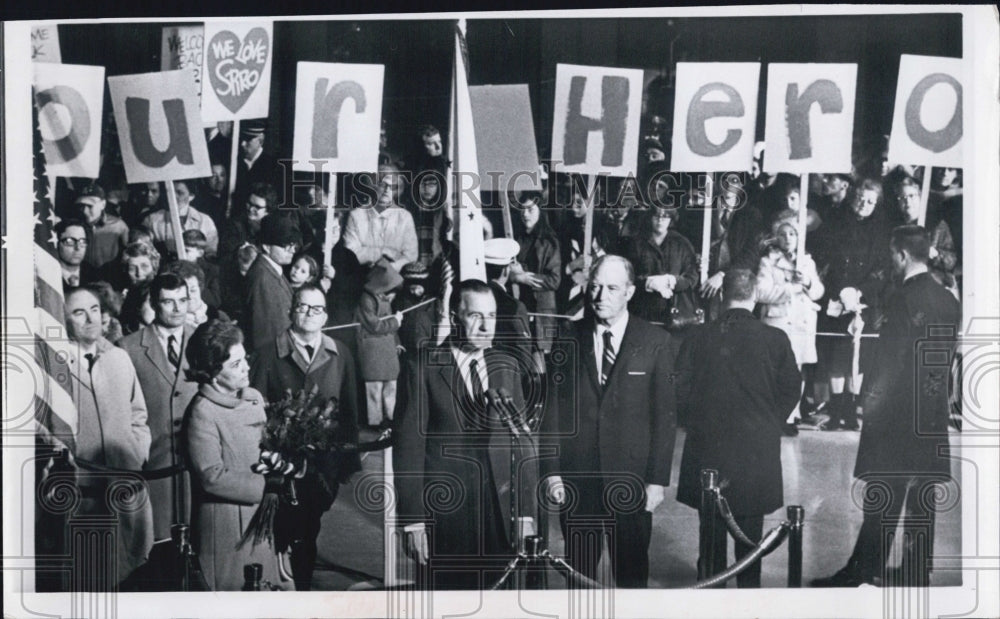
268,303
737,383
906,395
451,457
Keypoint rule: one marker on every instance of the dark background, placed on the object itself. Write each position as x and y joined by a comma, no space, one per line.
418,54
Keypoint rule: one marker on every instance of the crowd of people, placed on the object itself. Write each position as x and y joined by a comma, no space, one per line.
183,351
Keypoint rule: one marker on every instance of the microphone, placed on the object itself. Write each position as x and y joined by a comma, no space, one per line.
511,409
496,399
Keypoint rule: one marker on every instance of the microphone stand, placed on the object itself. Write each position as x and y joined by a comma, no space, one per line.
534,557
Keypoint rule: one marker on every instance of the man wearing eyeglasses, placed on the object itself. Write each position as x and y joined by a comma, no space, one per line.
268,293
302,357
72,238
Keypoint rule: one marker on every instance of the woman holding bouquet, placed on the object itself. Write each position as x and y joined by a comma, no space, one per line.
226,420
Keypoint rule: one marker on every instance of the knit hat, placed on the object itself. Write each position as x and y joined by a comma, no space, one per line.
382,278
414,272
278,230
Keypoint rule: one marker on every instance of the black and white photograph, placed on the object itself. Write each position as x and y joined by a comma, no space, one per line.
575,313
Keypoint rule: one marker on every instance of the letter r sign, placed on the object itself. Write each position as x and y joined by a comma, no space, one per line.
596,119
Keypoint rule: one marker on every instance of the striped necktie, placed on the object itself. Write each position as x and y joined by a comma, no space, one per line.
608,358
172,355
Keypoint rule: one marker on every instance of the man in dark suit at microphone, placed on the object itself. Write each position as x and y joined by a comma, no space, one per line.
452,454
612,389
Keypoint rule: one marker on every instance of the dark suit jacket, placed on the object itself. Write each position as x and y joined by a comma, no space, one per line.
268,303
737,383
450,458
167,394
627,429
279,366
906,395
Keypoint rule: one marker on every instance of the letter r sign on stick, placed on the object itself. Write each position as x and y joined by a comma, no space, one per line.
596,120
159,126
810,117
338,116
715,115
927,120
70,100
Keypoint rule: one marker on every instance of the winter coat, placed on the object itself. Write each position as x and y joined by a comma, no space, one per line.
223,441
377,339
784,304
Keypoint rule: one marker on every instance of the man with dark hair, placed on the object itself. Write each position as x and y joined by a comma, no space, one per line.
737,383
244,227
303,358
268,294
616,422
903,451
450,436
158,354
73,237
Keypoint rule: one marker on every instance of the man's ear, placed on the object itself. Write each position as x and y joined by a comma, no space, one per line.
629,291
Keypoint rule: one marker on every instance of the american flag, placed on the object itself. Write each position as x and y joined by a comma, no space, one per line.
55,406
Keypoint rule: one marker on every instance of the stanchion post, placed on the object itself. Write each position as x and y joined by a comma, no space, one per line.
706,529
535,573
796,518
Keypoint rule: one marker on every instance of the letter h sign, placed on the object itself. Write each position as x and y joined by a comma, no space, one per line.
596,120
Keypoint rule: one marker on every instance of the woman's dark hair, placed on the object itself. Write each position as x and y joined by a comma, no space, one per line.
131,312
209,349
111,301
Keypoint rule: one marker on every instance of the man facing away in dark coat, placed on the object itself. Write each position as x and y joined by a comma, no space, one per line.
902,455
737,383
302,358
616,426
268,293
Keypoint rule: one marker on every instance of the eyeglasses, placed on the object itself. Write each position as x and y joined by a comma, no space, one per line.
309,310
74,243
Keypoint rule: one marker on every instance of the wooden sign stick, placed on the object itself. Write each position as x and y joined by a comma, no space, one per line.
331,213
925,194
588,225
175,220
235,138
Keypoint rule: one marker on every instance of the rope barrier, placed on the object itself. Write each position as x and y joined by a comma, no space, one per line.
358,324
771,541
727,517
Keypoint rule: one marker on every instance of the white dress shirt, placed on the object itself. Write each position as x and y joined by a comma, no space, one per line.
463,359
617,334
163,335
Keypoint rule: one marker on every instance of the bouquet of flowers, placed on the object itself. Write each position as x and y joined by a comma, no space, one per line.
298,427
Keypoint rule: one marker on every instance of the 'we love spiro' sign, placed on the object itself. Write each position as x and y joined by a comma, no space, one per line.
236,74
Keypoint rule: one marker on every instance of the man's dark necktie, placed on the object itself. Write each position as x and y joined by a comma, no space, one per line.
478,391
172,355
607,359
309,353
91,360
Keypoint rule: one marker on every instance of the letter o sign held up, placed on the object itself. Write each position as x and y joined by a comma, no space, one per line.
927,123
70,101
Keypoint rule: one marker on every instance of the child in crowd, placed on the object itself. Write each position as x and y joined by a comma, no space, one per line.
305,270
378,342
195,245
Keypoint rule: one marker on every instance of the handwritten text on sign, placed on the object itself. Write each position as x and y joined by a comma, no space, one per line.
159,127
45,44
810,117
596,119
182,48
715,110
238,66
70,101
927,121
338,116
